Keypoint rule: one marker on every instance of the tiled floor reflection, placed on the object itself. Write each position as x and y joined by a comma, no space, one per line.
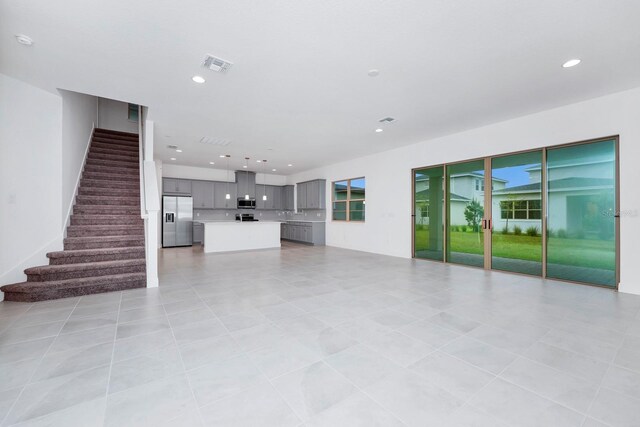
319,336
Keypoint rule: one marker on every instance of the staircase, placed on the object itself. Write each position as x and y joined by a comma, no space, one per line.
104,248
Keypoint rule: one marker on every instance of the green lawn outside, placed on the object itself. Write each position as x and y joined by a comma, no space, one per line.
576,252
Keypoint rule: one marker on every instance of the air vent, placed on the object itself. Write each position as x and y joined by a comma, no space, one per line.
387,120
220,142
216,64
172,147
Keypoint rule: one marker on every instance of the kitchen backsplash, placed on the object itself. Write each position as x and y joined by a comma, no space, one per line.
310,215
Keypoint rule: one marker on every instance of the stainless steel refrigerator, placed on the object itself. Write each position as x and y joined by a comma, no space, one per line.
177,221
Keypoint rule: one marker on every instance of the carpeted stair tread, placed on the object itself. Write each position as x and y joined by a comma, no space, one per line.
108,200
112,163
65,268
43,291
93,242
113,170
96,255
113,145
129,179
125,158
93,230
106,210
111,183
80,219
106,191
115,150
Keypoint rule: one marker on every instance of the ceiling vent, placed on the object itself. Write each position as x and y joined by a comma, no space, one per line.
220,142
172,147
387,120
216,64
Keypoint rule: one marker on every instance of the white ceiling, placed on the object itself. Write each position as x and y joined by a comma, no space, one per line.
299,83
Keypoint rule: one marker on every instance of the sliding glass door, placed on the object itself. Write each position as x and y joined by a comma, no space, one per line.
516,213
582,209
550,212
428,213
465,213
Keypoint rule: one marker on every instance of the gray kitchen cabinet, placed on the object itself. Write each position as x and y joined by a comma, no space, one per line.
220,200
277,199
311,194
287,198
198,232
176,186
273,197
203,194
301,192
304,231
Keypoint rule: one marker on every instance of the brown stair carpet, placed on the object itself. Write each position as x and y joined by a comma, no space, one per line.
104,248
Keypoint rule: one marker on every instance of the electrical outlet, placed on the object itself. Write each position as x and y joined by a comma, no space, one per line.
318,214
197,213
226,214
305,214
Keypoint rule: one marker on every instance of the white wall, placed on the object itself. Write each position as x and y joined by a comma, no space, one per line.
387,229
114,115
211,174
30,177
78,119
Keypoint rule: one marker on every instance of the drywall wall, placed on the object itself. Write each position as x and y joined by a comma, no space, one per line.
79,116
211,174
30,177
114,115
387,229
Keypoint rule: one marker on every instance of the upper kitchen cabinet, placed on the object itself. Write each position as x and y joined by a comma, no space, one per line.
312,194
301,193
220,195
273,197
176,186
203,194
287,198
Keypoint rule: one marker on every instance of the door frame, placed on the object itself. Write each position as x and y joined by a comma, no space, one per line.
544,207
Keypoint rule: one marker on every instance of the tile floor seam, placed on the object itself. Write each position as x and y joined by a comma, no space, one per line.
361,391
113,352
244,352
193,395
34,372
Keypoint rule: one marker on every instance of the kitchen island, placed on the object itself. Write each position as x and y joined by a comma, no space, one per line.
228,236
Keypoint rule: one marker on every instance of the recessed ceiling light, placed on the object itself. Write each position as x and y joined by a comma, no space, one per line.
374,73
273,170
258,161
198,79
222,156
173,158
245,166
25,40
378,130
289,165
178,151
212,163
571,63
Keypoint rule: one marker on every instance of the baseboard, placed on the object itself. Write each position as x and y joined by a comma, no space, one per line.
39,257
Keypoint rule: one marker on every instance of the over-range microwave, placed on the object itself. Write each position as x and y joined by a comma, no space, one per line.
246,203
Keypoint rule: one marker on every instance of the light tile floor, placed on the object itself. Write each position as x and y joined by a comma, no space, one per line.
324,337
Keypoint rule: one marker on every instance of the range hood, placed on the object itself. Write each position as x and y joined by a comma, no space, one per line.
246,183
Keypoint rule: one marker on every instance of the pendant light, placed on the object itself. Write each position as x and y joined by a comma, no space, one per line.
228,195
264,184
246,159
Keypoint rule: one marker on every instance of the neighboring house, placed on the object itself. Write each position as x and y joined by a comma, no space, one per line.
463,189
579,196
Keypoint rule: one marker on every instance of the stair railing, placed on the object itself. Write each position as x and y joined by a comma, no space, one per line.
149,196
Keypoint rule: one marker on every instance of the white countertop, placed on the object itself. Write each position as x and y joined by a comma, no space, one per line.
230,222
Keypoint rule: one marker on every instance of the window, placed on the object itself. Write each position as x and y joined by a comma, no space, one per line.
520,209
479,184
133,112
349,200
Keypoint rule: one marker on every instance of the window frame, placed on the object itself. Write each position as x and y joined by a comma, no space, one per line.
511,209
348,200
